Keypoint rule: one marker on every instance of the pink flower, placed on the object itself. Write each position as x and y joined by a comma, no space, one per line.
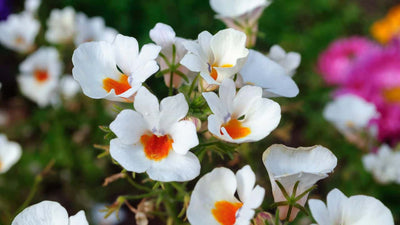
376,78
335,62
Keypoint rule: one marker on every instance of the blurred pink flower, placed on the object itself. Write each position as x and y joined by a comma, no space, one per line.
335,62
376,78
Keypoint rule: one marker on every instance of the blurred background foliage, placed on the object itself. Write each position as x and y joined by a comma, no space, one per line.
67,134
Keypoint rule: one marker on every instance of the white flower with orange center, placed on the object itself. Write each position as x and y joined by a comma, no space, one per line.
39,76
19,31
164,36
353,210
92,29
155,139
10,153
61,26
213,200
243,116
261,71
288,166
114,71
49,213
216,57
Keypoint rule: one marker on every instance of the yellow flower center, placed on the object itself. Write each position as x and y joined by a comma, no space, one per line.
235,129
225,212
41,75
214,73
119,86
156,147
392,95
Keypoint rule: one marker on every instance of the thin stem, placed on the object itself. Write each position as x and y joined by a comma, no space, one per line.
38,180
138,186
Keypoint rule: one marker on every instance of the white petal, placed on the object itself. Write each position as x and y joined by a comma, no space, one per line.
78,219
172,109
126,52
216,105
218,185
10,153
145,64
184,135
129,126
192,62
259,70
147,104
245,100
246,180
162,34
43,213
175,167
130,157
228,46
227,92
319,211
335,202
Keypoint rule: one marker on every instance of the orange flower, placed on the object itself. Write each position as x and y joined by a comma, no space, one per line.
387,28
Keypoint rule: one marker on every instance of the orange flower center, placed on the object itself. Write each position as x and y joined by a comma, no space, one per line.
19,40
156,147
235,129
119,86
41,75
392,95
225,212
214,73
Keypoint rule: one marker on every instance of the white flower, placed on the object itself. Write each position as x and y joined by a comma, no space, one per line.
69,87
260,71
39,76
61,26
164,36
19,31
289,165
290,61
10,152
92,29
243,116
114,71
236,8
384,165
213,200
32,6
155,139
355,210
48,213
350,113
216,57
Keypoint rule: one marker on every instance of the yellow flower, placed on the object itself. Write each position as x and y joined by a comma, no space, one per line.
385,29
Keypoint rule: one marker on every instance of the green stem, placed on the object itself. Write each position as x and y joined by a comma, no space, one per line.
192,85
38,180
138,186
171,83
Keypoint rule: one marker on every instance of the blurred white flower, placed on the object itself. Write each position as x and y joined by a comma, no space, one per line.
355,210
260,71
290,165
213,200
384,165
241,15
61,26
98,216
243,116
39,76
69,87
92,29
216,57
10,153
290,61
350,113
32,6
164,36
114,71
155,139
49,213
19,31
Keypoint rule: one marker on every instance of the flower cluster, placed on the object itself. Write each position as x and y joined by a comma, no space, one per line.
215,80
43,77
366,106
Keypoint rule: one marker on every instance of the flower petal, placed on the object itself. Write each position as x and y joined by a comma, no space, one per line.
147,104
43,213
129,126
172,109
78,219
126,52
175,167
130,157
184,135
